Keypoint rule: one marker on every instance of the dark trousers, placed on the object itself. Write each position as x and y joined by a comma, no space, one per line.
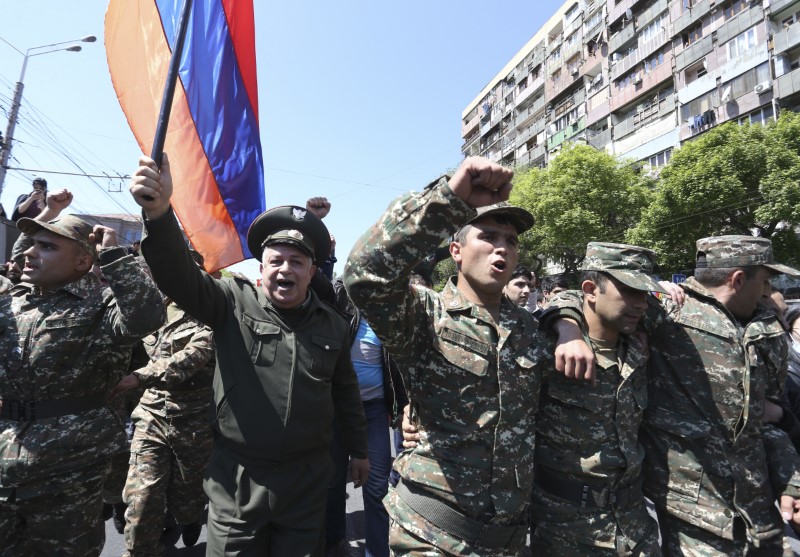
256,512
376,519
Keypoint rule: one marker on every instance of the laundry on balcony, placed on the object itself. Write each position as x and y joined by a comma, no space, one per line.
700,121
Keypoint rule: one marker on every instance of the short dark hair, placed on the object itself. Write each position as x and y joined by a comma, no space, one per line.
716,276
522,271
597,277
40,181
461,236
548,283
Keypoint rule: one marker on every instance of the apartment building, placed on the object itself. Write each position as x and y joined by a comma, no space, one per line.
636,78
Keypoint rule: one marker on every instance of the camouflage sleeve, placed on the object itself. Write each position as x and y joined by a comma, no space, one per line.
567,304
137,308
183,364
21,246
378,269
782,461
775,354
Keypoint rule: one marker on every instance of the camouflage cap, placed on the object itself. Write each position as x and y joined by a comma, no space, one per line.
292,225
68,226
718,252
519,217
631,265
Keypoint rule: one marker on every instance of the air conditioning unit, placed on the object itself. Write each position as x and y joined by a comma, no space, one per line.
763,87
574,71
637,80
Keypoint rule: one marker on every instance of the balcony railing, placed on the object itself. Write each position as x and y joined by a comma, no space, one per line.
739,24
651,13
788,84
470,125
621,38
621,97
693,52
616,12
788,38
777,5
600,139
691,16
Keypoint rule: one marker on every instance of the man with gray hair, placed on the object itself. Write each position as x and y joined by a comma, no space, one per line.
283,365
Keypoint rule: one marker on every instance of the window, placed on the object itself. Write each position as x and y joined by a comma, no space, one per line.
733,8
761,116
652,29
555,55
594,20
746,82
693,35
687,4
660,159
571,40
741,43
699,105
571,13
653,62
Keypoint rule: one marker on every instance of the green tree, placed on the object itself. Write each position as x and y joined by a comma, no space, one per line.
581,196
730,180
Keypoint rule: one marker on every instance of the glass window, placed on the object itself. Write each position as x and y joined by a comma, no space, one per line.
742,43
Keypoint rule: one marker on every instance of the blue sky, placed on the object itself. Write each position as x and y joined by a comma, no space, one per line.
359,100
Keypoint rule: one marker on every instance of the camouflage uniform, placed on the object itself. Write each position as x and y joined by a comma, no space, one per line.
587,497
172,441
474,385
712,469
65,350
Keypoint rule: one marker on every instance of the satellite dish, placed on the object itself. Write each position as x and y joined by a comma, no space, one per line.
628,14
726,94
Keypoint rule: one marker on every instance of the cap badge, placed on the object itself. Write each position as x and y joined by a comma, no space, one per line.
299,214
296,234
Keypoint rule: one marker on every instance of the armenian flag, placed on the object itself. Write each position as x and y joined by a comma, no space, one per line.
213,135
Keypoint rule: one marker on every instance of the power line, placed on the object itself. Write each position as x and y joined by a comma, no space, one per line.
40,171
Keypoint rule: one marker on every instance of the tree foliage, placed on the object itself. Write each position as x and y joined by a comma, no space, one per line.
581,196
731,180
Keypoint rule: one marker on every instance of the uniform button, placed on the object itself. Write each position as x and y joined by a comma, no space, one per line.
727,512
327,347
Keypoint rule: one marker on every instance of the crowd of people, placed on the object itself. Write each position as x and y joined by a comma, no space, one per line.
137,387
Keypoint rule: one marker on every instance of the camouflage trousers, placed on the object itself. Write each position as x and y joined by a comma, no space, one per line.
57,517
115,481
167,463
683,539
403,543
565,529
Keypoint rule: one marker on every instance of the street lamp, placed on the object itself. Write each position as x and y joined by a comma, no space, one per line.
8,141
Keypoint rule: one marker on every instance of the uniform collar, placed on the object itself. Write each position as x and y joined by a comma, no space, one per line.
80,288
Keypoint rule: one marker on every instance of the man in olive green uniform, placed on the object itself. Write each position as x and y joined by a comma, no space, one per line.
468,357
712,468
283,364
587,497
66,341
172,441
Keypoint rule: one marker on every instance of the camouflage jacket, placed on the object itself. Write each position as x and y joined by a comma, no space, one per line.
474,384
181,369
71,343
709,458
590,433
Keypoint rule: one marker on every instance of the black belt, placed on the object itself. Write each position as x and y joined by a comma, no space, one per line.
462,527
587,495
25,410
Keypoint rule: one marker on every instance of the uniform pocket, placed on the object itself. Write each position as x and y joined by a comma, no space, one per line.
325,353
464,351
263,337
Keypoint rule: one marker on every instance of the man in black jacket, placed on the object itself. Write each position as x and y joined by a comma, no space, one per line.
283,365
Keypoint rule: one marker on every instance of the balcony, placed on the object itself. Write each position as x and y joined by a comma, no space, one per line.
529,112
599,140
616,12
553,45
651,13
693,53
691,16
570,131
650,80
593,31
470,125
622,37
537,153
786,39
554,87
529,132
777,5
568,52
471,146
624,65
739,24
788,84
598,106
523,95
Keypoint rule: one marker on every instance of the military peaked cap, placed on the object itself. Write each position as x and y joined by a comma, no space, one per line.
290,225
